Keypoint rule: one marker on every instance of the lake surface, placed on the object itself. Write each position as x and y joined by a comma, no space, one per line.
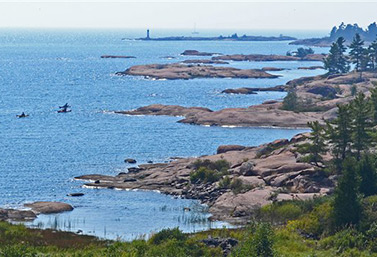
40,155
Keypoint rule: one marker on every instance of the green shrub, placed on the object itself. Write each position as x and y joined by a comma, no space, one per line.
280,212
236,185
219,165
225,182
345,239
204,175
259,242
166,234
207,171
314,223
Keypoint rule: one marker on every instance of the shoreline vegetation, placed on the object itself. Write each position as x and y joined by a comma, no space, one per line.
346,31
312,195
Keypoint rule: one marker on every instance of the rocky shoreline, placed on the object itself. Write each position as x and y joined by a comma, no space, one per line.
268,58
319,97
269,172
267,114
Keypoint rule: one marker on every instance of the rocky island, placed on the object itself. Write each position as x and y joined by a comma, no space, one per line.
318,96
268,58
181,71
233,37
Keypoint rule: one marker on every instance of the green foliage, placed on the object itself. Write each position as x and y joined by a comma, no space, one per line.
372,51
225,182
302,52
361,111
368,176
336,62
344,239
280,212
166,234
219,165
204,175
347,205
290,102
259,242
357,52
237,186
314,223
317,146
353,90
373,101
207,171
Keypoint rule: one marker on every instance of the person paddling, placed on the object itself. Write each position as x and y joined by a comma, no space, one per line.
66,106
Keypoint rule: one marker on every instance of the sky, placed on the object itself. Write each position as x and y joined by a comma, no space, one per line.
251,15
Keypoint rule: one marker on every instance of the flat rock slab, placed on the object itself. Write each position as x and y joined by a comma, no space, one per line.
49,207
181,71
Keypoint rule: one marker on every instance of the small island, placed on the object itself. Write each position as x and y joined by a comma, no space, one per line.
181,71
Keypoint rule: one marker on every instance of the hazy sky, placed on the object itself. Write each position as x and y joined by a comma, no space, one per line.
179,14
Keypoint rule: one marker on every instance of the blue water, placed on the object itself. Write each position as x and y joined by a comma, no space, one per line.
40,155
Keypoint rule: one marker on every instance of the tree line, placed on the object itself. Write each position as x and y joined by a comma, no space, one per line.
350,138
363,58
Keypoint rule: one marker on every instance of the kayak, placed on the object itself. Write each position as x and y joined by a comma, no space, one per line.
22,116
62,111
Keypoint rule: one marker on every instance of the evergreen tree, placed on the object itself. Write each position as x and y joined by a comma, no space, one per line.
318,146
347,205
290,102
339,133
357,52
373,54
368,176
336,61
373,101
361,124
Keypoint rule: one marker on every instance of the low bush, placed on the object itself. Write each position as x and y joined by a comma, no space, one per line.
166,234
207,171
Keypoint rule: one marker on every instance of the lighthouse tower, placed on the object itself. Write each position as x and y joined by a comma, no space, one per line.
148,34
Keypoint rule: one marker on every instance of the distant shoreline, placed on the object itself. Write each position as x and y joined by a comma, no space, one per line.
233,37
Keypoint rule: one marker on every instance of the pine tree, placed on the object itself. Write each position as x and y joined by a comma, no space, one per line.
290,102
368,176
339,133
357,52
318,146
373,100
336,61
361,124
373,54
347,205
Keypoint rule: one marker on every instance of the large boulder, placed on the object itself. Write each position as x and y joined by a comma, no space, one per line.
227,148
49,207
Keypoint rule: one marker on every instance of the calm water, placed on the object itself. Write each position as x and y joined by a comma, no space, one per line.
40,155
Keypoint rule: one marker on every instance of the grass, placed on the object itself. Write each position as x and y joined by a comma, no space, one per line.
299,228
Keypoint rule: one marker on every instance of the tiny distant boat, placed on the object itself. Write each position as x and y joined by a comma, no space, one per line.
22,115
